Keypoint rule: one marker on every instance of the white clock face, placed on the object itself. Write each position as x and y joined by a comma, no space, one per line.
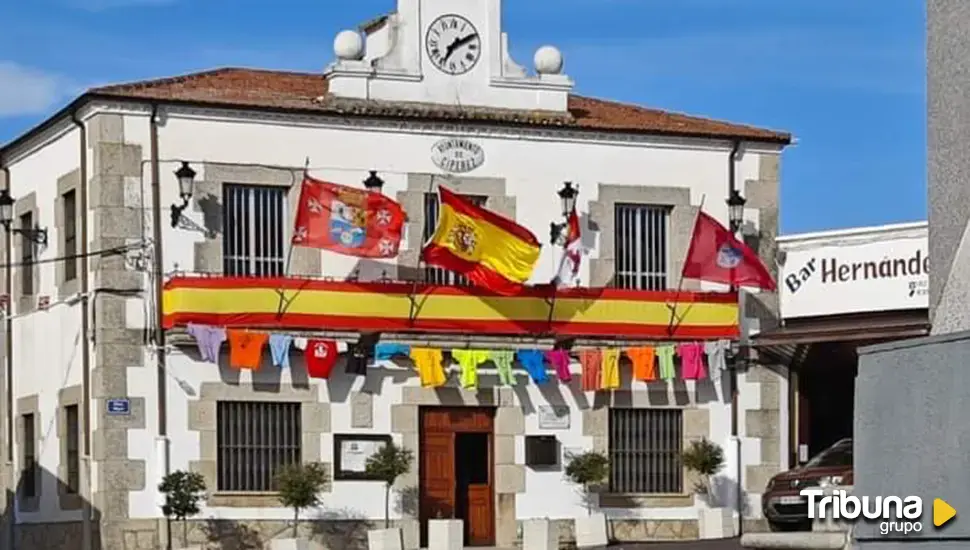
453,44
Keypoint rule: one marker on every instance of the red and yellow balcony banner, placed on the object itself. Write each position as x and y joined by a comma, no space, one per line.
250,302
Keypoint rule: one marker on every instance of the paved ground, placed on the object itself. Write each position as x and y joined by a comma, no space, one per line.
720,544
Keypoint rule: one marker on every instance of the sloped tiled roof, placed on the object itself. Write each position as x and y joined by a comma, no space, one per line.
307,93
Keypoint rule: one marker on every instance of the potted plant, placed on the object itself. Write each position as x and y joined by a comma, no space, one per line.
183,491
388,464
299,486
706,459
589,470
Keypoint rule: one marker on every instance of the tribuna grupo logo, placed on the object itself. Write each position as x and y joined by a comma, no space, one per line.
894,514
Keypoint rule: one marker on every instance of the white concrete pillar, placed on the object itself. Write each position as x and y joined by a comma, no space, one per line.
446,534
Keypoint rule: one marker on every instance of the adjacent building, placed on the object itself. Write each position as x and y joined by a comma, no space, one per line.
839,291
912,396
105,391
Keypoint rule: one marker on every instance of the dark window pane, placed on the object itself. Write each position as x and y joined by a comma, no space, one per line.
27,249
70,235
254,228
28,475
72,422
640,240
646,449
253,440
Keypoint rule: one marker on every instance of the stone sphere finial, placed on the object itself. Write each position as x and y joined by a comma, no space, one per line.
348,46
548,60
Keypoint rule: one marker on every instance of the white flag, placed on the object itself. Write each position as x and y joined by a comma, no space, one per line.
572,254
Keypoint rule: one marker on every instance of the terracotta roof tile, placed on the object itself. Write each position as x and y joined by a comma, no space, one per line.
280,90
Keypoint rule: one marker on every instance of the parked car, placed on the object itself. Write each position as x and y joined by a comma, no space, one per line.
783,506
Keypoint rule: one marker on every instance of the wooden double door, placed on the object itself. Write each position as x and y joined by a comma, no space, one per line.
456,471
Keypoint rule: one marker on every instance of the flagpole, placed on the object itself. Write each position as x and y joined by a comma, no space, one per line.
680,284
556,280
280,309
419,260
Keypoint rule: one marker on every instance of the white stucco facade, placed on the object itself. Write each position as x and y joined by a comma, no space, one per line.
249,146
532,166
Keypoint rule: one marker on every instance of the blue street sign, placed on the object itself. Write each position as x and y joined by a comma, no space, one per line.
119,406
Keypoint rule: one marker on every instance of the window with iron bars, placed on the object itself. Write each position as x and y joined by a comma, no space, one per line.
72,422
254,242
437,275
69,205
27,250
640,240
646,451
254,439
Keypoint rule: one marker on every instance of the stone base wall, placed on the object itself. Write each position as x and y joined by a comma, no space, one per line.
631,530
52,536
756,525
336,534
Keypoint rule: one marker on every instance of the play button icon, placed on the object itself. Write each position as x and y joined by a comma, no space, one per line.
942,512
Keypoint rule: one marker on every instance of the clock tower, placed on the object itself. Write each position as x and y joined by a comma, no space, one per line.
450,52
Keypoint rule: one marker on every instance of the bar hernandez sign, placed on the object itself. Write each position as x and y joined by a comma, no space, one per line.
854,276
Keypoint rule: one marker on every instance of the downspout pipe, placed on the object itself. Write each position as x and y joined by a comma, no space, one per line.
158,272
735,436
158,269
8,379
82,193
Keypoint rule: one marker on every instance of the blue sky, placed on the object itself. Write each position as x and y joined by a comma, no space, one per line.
846,77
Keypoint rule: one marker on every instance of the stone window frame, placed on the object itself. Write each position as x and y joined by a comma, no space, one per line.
70,396
314,418
696,424
209,193
65,184
680,227
25,205
412,200
29,405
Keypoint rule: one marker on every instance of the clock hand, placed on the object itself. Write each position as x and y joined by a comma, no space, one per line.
451,48
466,40
457,43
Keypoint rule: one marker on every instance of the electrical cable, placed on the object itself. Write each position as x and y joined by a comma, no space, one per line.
118,250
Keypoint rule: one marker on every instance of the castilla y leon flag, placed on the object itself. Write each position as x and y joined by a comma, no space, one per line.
716,256
493,252
348,221
572,253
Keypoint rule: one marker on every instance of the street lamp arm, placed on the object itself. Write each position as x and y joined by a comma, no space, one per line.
36,235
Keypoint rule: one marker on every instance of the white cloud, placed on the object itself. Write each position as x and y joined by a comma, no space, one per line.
27,91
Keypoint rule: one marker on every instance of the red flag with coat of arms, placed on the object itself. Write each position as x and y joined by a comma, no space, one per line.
348,221
716,255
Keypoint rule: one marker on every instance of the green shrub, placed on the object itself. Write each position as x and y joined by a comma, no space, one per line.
299,486
183,491
388,464
588,470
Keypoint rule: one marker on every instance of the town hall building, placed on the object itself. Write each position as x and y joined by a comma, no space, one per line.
143,211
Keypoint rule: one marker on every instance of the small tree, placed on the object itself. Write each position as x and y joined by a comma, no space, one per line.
388,464
183,492
587,470
299,486
706,459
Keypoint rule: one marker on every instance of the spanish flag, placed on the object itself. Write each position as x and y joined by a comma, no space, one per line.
493,252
